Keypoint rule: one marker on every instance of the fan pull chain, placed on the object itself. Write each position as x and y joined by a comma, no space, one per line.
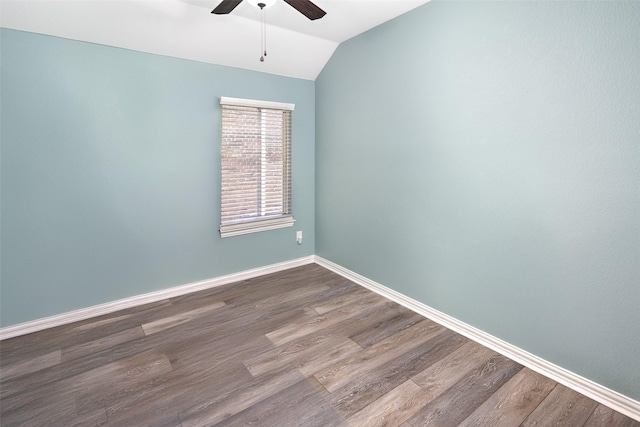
263,32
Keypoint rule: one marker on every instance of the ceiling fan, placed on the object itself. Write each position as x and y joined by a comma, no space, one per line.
305,7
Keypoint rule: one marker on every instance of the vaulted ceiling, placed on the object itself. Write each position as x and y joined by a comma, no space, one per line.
297,47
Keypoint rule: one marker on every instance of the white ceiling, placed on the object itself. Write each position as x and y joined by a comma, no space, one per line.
296,46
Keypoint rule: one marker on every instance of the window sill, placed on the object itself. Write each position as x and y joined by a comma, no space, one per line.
254,226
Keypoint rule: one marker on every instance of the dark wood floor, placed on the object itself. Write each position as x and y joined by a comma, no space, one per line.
303,347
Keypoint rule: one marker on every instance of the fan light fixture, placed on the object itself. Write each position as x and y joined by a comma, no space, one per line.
262,3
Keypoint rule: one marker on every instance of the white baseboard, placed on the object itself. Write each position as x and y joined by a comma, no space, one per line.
110,307
597,392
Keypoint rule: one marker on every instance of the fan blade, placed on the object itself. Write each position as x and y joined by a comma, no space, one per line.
307,8
226,6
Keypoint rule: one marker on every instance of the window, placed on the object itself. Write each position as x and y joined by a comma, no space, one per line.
256,166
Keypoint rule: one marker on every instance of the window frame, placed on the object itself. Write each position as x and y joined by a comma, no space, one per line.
257,223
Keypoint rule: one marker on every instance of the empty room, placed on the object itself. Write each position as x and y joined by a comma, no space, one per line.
319,213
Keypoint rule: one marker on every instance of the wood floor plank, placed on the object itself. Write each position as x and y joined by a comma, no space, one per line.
301,293
443,374
340,373
243,323
259,292
103,322
156,419
68,335
61,398
80,332
178,319
136,381
100,344
355,324
29,386
277,283
603,416
365,389
562,407
386,324
341,301
391,409
218,342
299,329
219,409
121,373
42,411
179,390
308,355
34,364
298,405
513,402
95,417
457,403
329,355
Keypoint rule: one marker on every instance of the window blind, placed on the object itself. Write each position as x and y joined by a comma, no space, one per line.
255,166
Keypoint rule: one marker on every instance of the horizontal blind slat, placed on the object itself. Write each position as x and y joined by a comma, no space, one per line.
256,159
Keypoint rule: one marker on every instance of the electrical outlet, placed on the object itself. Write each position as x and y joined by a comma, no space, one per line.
299,237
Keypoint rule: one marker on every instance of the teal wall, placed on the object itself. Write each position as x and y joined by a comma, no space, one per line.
484,158
110,174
